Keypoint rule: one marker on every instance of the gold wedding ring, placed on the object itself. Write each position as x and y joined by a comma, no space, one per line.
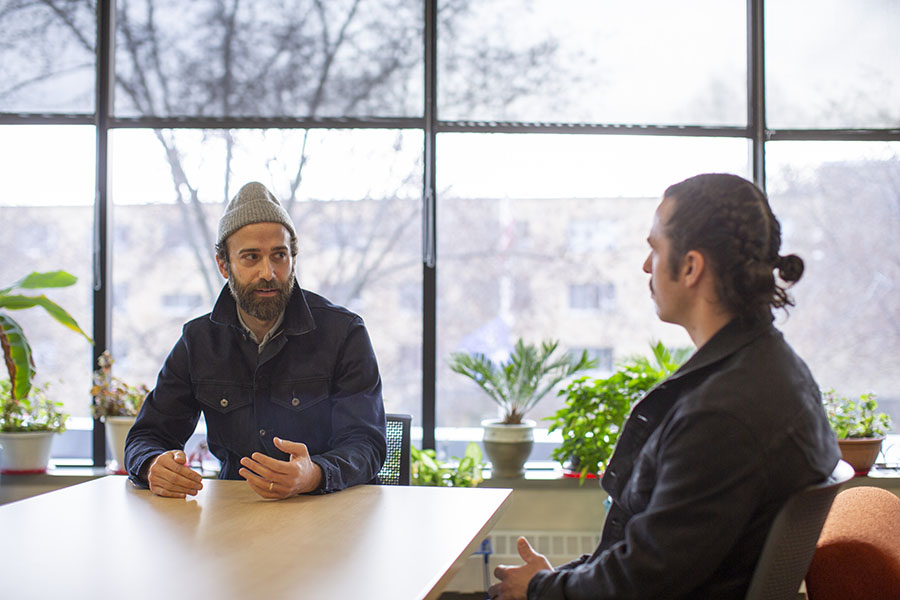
271,485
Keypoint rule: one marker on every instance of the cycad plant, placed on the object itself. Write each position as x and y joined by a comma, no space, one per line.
519,383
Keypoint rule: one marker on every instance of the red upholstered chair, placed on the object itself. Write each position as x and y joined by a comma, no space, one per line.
858,553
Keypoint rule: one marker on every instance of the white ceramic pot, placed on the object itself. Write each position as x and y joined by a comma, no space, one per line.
25,452
508,447
117,429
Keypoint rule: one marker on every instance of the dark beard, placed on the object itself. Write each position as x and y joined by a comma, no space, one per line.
264,309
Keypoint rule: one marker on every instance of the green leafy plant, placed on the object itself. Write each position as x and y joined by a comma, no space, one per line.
458,472
518,384
855,418
34,412
16,349
596,408
112,397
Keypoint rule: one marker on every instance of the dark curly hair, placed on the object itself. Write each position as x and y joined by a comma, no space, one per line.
728,219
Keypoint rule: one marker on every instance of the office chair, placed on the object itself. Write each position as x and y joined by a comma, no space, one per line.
396,464
792,539
858,554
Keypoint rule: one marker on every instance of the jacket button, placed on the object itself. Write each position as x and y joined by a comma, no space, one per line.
262,433
223,402
295,402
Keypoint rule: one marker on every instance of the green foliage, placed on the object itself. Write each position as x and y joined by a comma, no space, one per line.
112,397
596,408
518,384
34,412
855,418
16,349
459,472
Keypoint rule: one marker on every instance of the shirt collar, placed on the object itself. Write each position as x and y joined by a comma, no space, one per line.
273,331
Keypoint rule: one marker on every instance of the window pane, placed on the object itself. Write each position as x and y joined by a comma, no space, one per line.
357,209
833,63
269,58
603,62
47,57
47,213
839,205
508,266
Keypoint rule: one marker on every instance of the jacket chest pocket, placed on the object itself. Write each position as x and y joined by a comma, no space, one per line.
223,398
639,489
298,396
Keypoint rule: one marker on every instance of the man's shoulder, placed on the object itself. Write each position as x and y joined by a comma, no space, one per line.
764,376
320,305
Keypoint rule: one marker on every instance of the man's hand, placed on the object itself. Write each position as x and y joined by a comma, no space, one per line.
170,476
514,580
273,478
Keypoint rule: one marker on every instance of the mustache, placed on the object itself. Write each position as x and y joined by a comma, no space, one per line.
268,285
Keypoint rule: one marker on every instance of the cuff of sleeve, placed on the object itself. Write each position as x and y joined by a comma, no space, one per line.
540,586
326,483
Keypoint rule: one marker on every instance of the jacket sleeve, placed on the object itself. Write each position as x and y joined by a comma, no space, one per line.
709,482
167,418
357,441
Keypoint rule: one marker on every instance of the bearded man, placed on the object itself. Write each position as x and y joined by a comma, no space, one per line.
287,381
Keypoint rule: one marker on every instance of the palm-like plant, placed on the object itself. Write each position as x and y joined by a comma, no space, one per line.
518,384
16,350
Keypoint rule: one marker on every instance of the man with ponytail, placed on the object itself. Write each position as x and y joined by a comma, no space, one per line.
709,456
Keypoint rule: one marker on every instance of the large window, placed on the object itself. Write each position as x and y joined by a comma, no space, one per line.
533,146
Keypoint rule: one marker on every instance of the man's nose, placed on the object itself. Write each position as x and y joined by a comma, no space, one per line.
266,269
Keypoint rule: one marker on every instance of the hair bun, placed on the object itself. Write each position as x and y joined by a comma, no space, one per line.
790,267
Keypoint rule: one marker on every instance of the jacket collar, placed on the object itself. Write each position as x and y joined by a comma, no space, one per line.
728,340
298,318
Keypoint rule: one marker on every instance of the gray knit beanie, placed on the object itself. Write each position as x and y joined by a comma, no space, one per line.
253,204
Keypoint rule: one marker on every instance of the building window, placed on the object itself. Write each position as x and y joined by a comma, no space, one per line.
592,296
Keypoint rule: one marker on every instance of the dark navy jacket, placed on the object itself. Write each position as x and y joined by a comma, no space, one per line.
316,382
701,468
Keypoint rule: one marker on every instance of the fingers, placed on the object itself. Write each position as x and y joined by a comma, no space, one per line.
525,550
169,476
292,448
263,487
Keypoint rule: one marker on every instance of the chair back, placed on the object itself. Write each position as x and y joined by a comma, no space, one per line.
396,463
791,542
858,554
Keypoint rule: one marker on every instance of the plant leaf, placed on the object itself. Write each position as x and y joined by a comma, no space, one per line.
17,354
36,280
19,302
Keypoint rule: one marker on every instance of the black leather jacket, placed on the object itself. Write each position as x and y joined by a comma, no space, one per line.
702,466
316,382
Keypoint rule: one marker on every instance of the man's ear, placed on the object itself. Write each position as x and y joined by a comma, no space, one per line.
223,268
692,267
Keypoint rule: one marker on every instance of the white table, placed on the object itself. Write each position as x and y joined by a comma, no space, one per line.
107,539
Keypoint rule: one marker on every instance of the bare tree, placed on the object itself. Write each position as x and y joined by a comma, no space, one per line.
310,58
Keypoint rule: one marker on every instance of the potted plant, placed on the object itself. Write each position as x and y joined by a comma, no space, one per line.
596,409
458,472
516,385
859,427
116,403
28,418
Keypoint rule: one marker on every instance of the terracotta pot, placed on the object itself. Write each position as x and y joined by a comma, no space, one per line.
508,447
861,453
25,452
